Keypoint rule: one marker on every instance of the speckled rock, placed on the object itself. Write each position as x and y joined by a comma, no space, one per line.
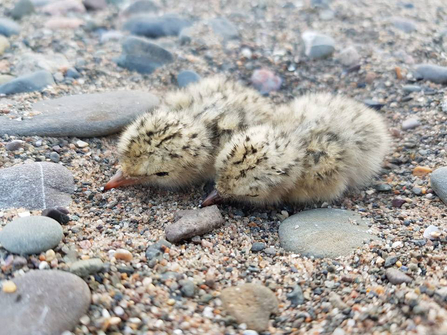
430,72
438,181
323,232
251,304
36,81
31,235
35,186
187,77
45,302
317,46
8,27
86,115
194,223
156,26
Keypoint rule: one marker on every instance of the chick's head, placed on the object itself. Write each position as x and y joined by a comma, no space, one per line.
257,166
165,149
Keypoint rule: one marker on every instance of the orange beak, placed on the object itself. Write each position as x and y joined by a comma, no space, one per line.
119,180
213,198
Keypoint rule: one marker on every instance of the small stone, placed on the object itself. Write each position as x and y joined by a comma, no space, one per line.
36,81
398,202
373,104
95,4
187,288
257,246
438,181
54,157
193,223
32,62
14,145
430,72
265,81
81,144
397,277
56,23
416,190
251,304
411,88
317,46
390,261
8,27
185,78
63,7
156,26
139,7
296,297
410,124
420,171
9,286
404,24
4,44
112,35
349,56
123,254
271,251
224,28
22,8
73,73
383,188
87,267
57,213
431,233
50,255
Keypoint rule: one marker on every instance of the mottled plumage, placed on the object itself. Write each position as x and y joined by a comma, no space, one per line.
323,146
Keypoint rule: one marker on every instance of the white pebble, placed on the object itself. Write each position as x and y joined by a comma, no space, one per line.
428,233
397,244
208,312
246,52
24,214
410,124
44,265
118,311
81,144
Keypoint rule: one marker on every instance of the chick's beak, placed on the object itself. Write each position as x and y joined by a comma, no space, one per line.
119,180
213,198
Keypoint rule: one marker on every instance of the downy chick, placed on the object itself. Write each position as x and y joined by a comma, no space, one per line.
339,144
176,144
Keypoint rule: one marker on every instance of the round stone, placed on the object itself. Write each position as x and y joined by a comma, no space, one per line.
45,302
324,232
185,78
317,46
87,267
31,235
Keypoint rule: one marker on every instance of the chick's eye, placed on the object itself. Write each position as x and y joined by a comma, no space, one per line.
162,174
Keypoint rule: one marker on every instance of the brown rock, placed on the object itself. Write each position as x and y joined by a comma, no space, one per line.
194,223
251,304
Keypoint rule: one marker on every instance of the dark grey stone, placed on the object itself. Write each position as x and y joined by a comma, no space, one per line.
46,302
86,115
140,6
73,73
35,186
411,88
143,56
317,46
194,223
87,267
224,28
22,8
373,104
185,78
257,246
54,156
154,27
397,277
188,288
390,261
430,72
31,235
8,27
383,188
36,81
438,181
60,214
323,232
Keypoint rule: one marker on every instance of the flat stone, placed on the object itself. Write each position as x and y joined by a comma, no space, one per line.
63,7
45,302
317,46
411,88
224,28
156,26
251,304
349,56
31,235
397,277
185,78
56,23
194,223
438,181
87,267
139,7
22,8
95,4
31,62
257,246
143,56
324,232
373,104
430,72
36,81
432,233
404,24
410,123
86,115
35,186
8,27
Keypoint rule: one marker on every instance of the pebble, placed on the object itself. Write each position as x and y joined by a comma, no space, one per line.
438,181
398,202
410,124
123,254
57,213
430,72
95,4
31,235
411,88
81,144
224,28
187,77
265,81
390,261
404,24
431,232
22,8
323,233
349,56
32,62
36,81
251,304
4,44
111,35
374,104
45,302
397,277
8,286
4,78
383,188
139,7
420,171
56,23
8,27
250,332
63,7
87,267
257,246
317,46
296,297
188,288
270,251
14,145
54,157
156,26
84,115
35,186
73,73
194,223
143,56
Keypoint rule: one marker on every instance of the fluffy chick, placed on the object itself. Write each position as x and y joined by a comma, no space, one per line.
335,144
176,144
